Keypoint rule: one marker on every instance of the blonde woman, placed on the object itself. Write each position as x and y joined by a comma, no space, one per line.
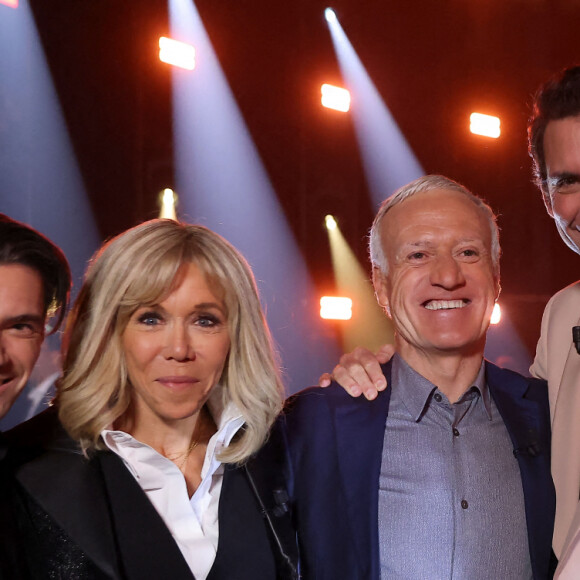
145,467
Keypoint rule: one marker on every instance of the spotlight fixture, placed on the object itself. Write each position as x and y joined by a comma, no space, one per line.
330,15
335,308
330,222
486,125
496,314
168,201
176,53
335,98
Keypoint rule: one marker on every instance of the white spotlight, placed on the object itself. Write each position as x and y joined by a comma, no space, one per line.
330,15
330,222
168,201
496,314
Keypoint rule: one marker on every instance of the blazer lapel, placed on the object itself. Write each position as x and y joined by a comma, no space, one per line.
525,413
266,476
565,432
69,488
360,430
147,548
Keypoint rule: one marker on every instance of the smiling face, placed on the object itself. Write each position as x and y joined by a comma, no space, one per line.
562,155
440,288
22,320
175,351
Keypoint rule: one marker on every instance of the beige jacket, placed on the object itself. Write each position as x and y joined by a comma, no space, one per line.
558,362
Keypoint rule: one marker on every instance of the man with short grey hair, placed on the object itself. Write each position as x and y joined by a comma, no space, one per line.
447,473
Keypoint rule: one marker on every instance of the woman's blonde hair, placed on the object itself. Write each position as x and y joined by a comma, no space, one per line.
136,268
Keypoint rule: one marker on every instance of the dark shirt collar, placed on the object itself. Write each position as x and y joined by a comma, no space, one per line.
416,391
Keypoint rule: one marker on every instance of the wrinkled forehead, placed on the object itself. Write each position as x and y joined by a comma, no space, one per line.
433,216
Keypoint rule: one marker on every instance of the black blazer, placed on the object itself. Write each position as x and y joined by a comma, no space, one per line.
96,517
336,443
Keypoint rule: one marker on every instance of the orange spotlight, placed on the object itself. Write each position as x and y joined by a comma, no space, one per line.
10,3
335,98
176,53
335,308
496,314
485,125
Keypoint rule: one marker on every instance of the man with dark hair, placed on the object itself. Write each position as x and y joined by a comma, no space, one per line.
554,144
35,283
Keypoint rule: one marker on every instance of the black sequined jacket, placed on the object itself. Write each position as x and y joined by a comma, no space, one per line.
65,516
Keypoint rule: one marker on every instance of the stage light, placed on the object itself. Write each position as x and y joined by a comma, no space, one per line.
387,158
330,15
496,314
335,98
330,222
335,308
10,3
485,125
176,53
168,200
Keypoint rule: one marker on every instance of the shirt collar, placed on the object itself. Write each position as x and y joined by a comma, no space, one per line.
228,420
416,391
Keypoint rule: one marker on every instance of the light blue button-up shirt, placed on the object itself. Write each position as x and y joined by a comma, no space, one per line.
451,504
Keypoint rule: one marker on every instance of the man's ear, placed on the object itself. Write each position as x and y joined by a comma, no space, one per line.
380,286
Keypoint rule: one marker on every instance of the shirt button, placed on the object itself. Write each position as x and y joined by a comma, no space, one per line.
455,432
464,504
437,397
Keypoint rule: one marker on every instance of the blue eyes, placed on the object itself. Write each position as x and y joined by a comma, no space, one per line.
203,320
149,319
207,321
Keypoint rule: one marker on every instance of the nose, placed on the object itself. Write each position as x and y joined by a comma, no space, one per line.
447,273
179,344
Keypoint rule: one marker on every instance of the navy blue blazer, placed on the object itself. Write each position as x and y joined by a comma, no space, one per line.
335,446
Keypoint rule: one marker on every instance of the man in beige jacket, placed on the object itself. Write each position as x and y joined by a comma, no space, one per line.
554,139
554,143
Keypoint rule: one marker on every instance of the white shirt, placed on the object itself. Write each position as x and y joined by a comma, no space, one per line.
193,523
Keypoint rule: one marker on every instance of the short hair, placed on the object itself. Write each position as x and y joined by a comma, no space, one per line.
556,99
137,268
20,244
422,185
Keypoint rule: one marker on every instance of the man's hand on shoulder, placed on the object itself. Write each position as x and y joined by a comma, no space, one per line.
359,372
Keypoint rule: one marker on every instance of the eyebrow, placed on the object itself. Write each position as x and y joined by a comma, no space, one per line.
24,318
430,244
200,306
553,180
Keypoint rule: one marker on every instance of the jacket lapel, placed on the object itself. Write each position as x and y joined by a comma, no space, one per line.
565,432
69,488
266,476
523,406
146,547
360,430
